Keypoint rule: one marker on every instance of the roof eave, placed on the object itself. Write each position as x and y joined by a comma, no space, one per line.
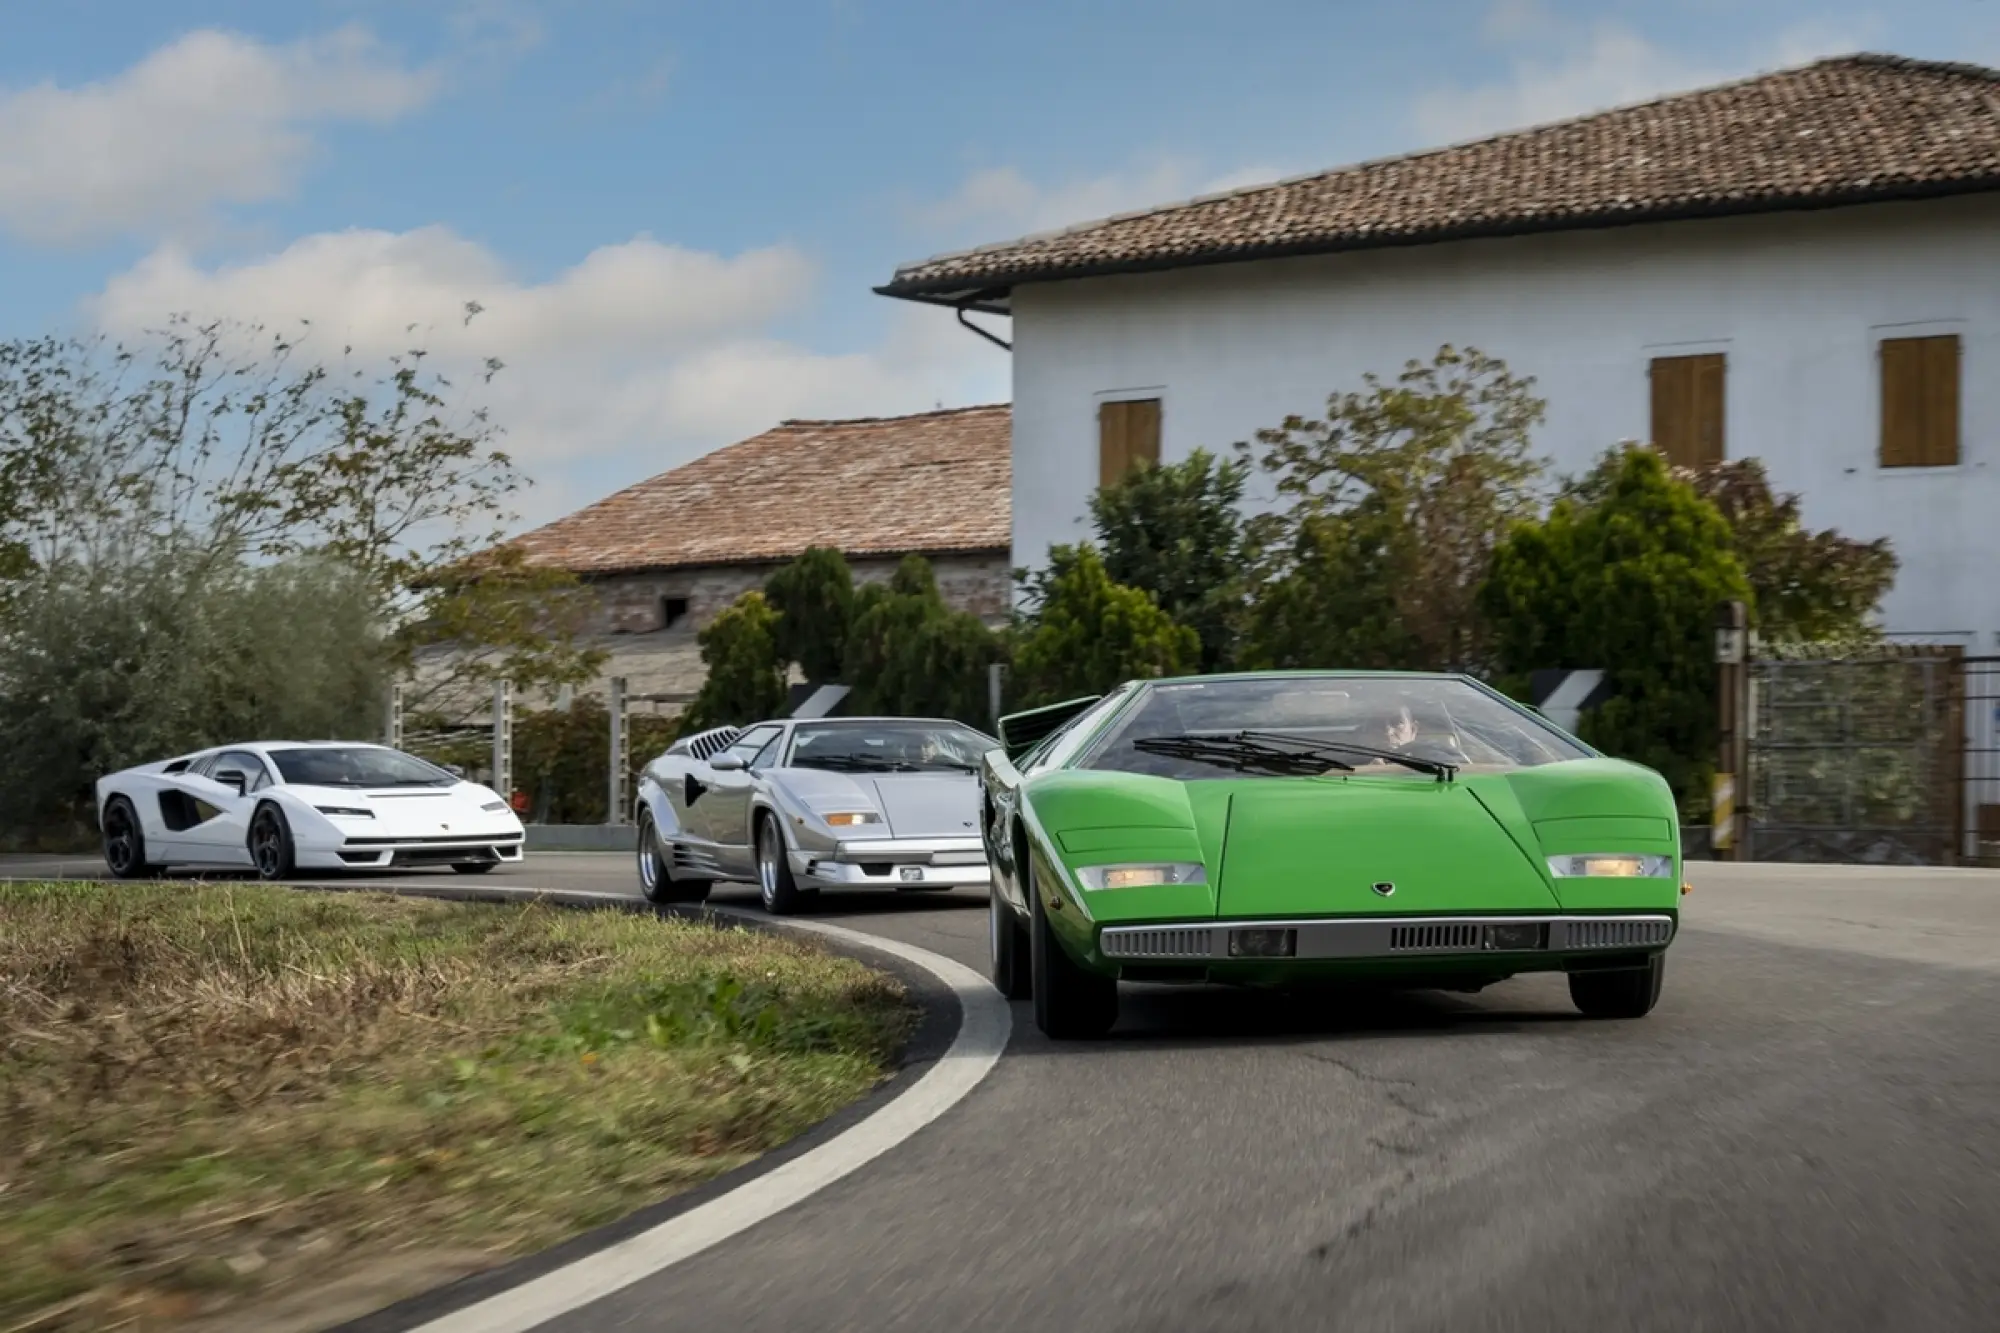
947,291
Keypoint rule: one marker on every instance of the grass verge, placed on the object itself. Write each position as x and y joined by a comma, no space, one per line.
211,1094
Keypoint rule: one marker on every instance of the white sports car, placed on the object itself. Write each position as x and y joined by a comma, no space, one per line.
282,806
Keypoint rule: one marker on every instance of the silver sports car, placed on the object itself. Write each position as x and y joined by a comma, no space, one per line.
799,806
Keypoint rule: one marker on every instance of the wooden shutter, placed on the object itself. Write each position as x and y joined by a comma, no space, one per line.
1689,408
1920,388
1128,436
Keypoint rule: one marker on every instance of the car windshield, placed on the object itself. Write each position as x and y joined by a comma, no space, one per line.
1299,726
890,747
356,766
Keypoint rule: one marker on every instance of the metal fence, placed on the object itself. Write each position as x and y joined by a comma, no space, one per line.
1861,759
1979,690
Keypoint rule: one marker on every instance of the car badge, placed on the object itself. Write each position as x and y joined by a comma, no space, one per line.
1383,888
445,827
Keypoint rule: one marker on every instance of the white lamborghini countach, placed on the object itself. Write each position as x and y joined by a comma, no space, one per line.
278,807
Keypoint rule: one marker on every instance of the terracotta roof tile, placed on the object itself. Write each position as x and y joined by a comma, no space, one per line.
1853,129
930,483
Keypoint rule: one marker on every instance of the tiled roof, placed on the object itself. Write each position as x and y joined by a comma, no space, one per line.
1854,129
931,483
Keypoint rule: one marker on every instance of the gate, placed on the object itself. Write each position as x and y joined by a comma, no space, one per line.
1866,758
1980,689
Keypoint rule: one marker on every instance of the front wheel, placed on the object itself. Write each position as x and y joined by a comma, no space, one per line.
656,880
271,849
1070,1003
775,881
1627,993
124,841
1007,950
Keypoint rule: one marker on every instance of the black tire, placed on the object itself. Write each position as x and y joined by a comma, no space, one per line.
473,867
656,874
1627,993
1007,948
271,849
125,841
1070,1003
775,882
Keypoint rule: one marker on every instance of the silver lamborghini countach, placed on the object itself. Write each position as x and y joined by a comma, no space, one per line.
799,806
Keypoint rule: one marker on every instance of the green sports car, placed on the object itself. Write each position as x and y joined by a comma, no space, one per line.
1284,827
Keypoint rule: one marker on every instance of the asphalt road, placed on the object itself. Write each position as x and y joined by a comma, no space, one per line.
1804,1135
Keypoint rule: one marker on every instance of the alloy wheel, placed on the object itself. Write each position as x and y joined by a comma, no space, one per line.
119,848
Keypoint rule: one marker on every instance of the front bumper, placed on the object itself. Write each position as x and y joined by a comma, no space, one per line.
1391,938
383,853
900,863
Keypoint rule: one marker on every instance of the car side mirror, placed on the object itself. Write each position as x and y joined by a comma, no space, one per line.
233,780
456,770
728,763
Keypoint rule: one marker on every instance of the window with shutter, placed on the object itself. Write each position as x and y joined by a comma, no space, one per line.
1689,407
1128,436
1920,385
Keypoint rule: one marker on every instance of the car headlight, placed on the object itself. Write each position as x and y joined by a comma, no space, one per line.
1610,865
1142,876
494,805
849,818
345,811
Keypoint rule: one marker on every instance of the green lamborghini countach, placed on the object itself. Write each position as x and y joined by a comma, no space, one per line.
1278,828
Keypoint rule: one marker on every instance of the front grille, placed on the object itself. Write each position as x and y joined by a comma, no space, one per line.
1617,934
1190,942
1436,938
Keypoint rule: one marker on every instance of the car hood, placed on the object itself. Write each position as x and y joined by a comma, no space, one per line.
415,811
913,805
1326,845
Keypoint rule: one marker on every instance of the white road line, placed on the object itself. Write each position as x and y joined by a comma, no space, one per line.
982,1035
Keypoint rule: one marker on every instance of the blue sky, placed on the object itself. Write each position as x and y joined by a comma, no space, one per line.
673,212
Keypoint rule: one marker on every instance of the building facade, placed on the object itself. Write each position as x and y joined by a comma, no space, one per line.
1802,268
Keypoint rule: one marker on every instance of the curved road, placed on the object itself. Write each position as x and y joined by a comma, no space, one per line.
1804,1135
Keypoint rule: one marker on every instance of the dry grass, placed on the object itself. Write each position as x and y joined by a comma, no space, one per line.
209,1092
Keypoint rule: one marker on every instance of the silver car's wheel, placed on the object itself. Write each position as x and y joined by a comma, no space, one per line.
656,880
774,873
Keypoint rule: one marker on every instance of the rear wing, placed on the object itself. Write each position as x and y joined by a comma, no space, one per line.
1022,732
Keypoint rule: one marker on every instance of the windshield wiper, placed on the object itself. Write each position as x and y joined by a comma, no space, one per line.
861,763
1437,768
1243,753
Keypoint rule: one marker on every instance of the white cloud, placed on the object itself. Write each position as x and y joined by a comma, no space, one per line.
211,118
639,358
1001,202
1594,68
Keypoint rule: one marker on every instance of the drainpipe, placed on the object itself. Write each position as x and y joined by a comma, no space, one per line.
995,339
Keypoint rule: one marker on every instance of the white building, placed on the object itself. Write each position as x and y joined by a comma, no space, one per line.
1804,268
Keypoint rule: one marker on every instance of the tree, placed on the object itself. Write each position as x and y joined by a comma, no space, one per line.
103,668
746,676
1806,586
214,444
1420,479
1335,604
1626,577
1176,531
1084,633
814,598
911,655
